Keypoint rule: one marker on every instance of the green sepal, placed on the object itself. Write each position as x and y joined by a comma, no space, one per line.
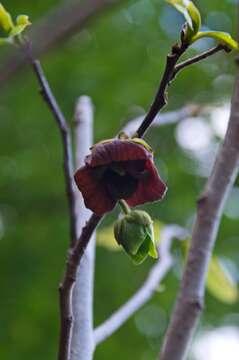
142,253
141,142
152,246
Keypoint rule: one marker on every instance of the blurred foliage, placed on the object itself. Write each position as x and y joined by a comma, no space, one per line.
117,60
220,283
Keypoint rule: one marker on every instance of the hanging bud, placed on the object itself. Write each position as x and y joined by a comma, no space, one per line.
134,232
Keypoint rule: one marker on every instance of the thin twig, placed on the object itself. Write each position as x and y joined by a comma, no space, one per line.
190,299
67,285
198,58
48,96
157,273
160,99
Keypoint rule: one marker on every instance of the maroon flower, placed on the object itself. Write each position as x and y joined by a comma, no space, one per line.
119,169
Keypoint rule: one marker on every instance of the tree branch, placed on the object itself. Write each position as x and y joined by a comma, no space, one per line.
67,285
198,58
160,99
157,273
82,298
66,140
190,299
60,24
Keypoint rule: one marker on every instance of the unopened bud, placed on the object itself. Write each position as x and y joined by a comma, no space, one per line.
134,232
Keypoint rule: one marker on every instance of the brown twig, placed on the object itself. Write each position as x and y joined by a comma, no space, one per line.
66,287
190,299
48,96
160,99
198,58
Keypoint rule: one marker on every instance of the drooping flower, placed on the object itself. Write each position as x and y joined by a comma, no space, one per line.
119,169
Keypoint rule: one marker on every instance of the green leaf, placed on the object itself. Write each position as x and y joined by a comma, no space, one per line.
195,16
220,284
191,14
5,19
22,22
221,36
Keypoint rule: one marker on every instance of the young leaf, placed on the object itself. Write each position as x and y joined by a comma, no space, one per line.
220,284
17,30
195,16
22,22
191,14
5,19
221,36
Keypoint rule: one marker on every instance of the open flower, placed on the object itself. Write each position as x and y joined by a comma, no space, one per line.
119,169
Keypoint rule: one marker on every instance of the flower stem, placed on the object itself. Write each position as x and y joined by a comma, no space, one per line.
124,206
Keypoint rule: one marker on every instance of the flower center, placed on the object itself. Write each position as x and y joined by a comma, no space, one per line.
119,186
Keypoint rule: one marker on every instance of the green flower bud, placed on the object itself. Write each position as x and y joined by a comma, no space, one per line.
134,232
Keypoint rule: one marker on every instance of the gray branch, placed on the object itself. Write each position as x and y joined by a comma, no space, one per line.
82,297
157,273
190,299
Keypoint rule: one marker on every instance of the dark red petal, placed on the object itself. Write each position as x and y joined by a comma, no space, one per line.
94,193
116,150
150,188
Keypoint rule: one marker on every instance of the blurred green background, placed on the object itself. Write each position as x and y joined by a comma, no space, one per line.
117,60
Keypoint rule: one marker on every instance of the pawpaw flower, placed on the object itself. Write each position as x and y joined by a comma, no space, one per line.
119,169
